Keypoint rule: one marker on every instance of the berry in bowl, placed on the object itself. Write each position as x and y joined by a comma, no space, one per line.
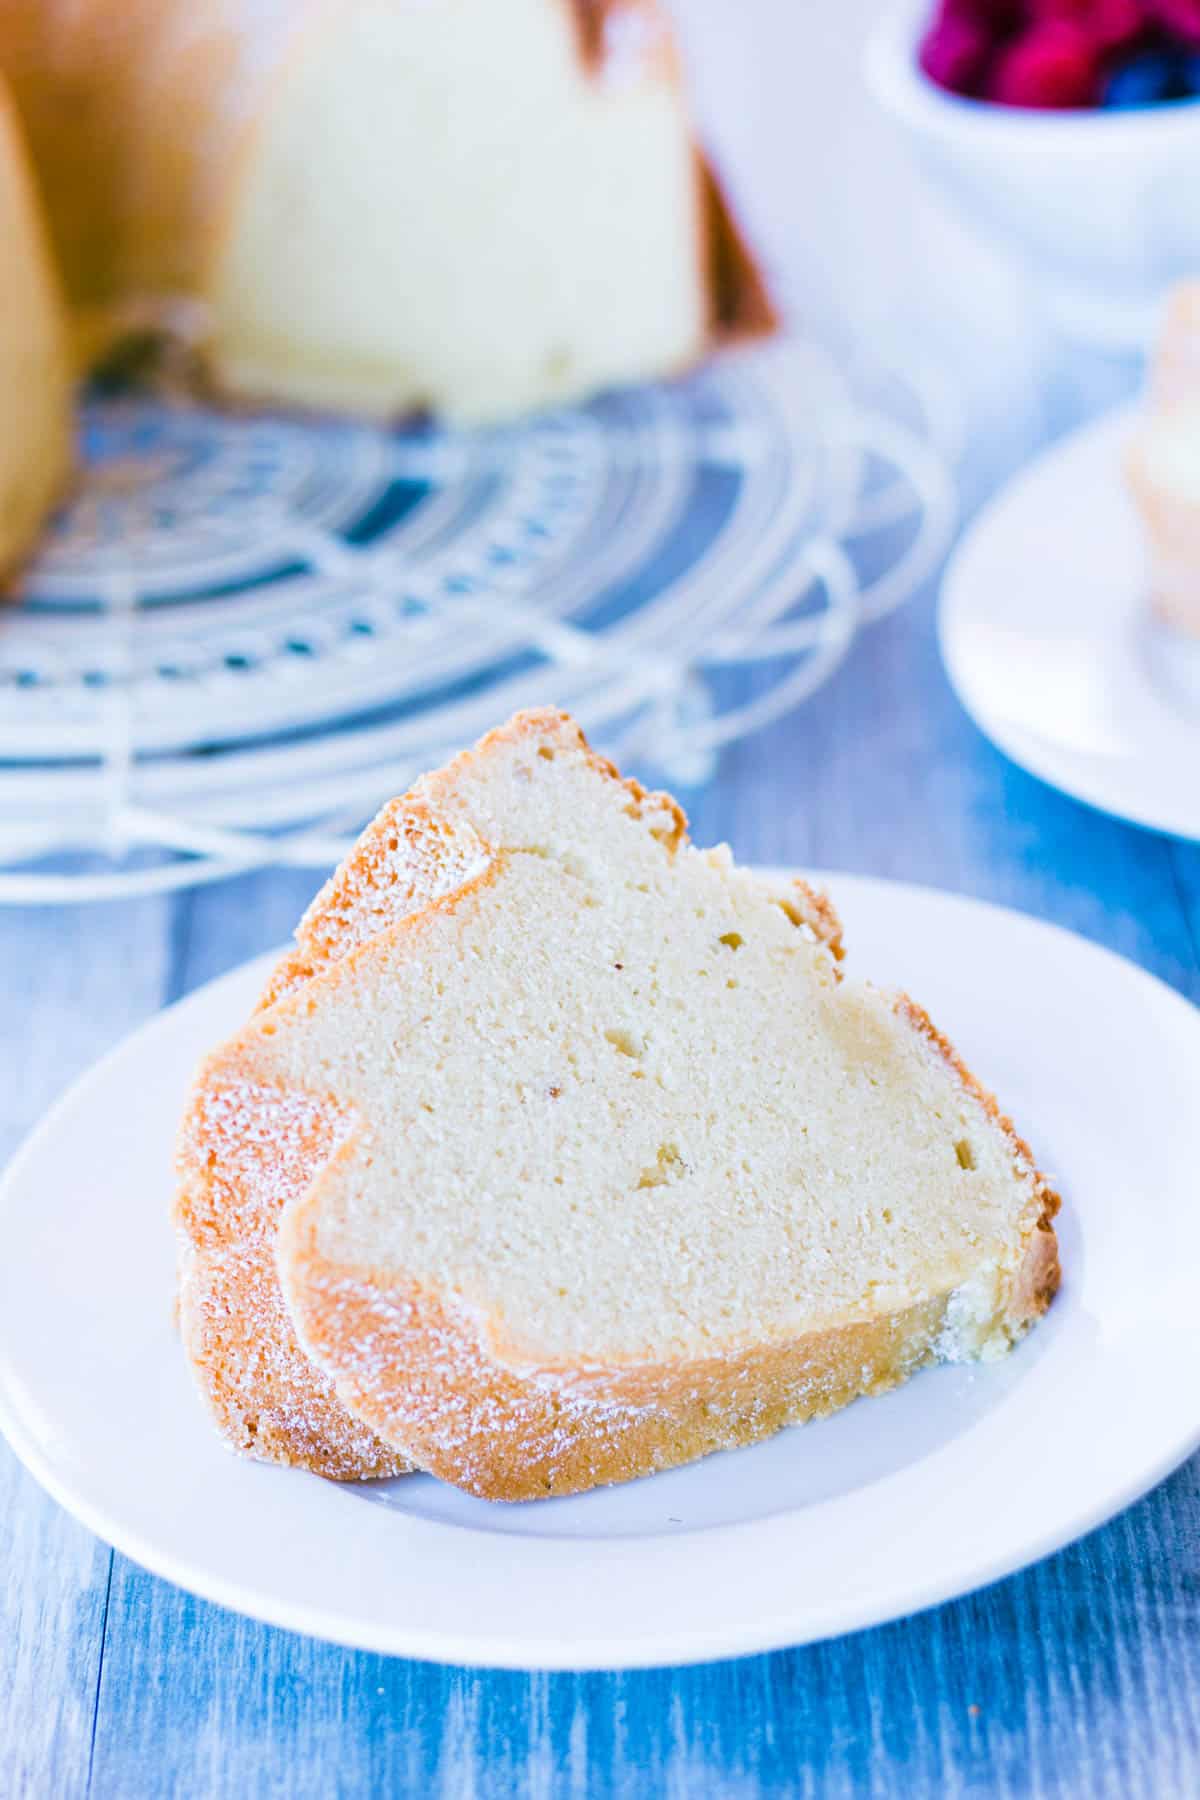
1065,54
1069,130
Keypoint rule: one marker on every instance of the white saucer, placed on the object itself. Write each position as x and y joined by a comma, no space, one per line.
1048,640
960,1477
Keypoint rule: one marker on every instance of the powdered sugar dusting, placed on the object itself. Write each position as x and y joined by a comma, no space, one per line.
421,1369
414,1364
247,1149
407,859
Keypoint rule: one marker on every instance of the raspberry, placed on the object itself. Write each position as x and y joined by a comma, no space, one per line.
1180,17
954,54
996,17
1053,64
1110,24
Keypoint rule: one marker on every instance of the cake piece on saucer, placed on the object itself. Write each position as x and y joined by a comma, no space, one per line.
1163,464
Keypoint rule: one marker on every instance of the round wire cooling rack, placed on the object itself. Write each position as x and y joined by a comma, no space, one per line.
244,633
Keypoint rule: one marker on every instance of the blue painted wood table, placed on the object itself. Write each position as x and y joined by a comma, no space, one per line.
1080,1677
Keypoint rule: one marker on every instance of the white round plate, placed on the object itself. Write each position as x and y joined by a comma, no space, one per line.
1048,640
898,1502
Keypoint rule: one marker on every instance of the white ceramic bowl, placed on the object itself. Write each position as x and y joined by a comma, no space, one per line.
1102,206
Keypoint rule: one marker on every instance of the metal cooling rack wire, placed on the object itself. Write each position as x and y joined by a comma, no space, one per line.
778,584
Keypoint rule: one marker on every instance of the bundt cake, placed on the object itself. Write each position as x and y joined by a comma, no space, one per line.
472,206
35,379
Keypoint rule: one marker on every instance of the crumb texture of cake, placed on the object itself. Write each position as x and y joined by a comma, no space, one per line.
478,207
1163,464
616,1168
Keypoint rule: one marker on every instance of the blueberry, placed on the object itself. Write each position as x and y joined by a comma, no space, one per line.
1191,74
1156,75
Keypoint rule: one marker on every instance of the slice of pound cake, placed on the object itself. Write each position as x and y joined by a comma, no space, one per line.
564,1152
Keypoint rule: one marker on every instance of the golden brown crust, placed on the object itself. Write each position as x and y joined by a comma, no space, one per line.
816,910
1039,1277
552,724
434,1382
57,488
505,1434
591,19
291,972
37,446
671,831
739,302
1040,1274
405,858
921,1022
597,24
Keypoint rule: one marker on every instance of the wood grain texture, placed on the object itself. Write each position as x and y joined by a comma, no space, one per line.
1078,1678
71,986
